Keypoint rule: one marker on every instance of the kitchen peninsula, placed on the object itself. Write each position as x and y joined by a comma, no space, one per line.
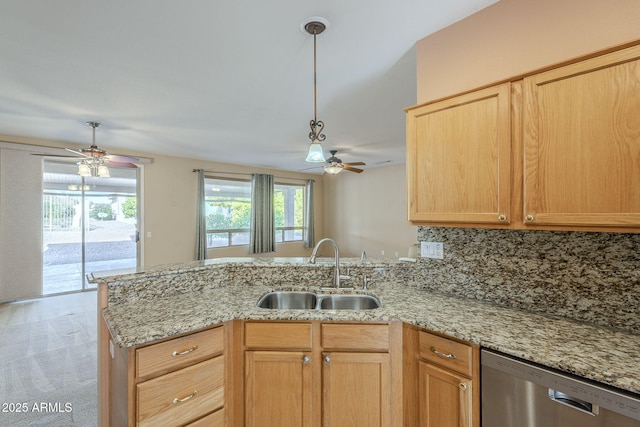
165,302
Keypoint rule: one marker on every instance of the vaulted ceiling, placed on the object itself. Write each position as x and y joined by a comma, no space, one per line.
228,81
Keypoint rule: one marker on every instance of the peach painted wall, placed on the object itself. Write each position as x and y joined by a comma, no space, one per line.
512,37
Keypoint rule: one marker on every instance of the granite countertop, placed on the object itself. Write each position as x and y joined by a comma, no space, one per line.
603,355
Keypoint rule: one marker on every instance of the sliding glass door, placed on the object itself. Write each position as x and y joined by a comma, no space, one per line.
89,224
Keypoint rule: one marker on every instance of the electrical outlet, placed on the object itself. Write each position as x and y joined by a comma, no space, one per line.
432,250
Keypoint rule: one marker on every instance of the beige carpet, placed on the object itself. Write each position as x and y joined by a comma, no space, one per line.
48,365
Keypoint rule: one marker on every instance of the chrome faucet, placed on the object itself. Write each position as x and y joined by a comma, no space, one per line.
365,279
336,272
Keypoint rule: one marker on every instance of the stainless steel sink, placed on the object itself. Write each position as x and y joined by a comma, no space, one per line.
288,300
301,300
348,302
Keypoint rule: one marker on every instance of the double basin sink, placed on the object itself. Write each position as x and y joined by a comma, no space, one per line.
301,300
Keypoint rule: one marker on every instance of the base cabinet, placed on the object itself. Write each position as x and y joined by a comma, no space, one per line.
445,397
310,374
278,388
356,389
441,380
177,382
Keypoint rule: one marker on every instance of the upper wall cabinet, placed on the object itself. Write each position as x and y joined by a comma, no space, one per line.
582,143
458,159
558,149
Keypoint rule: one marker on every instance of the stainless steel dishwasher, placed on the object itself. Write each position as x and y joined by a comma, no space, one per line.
516,393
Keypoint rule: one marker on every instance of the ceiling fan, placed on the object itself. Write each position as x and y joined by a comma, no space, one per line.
94,160
334,165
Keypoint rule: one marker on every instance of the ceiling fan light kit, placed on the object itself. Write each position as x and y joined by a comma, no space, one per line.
94,164
314,27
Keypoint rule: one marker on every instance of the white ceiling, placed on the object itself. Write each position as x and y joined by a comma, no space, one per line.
228,81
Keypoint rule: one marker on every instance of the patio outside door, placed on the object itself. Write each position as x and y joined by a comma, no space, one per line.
89,224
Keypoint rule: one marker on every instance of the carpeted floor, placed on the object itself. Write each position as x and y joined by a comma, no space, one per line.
48,362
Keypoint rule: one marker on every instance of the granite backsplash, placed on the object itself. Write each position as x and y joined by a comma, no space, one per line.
589,277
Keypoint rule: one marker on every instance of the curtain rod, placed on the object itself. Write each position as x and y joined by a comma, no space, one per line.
248,174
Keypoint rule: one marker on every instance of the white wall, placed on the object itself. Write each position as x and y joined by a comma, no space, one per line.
368,211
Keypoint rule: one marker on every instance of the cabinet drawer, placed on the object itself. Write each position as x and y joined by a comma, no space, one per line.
179,352
447,353
355,337
278,335
183,395
212,420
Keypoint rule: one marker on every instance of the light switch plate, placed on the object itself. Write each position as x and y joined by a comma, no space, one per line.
432,250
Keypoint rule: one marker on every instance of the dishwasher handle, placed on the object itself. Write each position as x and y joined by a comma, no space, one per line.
573,402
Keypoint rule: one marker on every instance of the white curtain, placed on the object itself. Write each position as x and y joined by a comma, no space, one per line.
263,236
201,220
309,235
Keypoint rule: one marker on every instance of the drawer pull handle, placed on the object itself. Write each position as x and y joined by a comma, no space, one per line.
182,353
184,399
441,354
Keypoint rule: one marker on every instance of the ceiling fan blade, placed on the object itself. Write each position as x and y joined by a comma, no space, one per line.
54,155
126,165
121,159
76,152
350,169
355,164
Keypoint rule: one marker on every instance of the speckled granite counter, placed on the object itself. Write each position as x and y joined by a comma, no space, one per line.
600,354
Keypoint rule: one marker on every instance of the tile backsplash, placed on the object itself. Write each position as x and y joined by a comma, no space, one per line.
590,277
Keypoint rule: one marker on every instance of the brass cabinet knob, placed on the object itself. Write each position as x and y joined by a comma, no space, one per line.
528,218
502,218
462,386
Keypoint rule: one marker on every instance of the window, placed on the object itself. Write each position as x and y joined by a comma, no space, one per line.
288,209
228,212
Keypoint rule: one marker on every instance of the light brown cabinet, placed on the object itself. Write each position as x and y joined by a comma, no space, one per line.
314,374
459,158
556,149
582,143
174,382
441,381
278,383
356,389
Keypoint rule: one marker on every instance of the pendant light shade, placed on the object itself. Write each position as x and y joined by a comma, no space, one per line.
84,169
333,169
315,154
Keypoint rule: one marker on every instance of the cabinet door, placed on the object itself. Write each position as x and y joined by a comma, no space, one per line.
356,390
582,143
445,398
459,159
278,388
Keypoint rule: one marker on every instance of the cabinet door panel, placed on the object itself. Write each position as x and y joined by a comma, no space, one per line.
356,390
445,398
582,142
459,158
278,389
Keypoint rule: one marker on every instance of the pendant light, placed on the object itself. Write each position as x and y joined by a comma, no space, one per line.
316,136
